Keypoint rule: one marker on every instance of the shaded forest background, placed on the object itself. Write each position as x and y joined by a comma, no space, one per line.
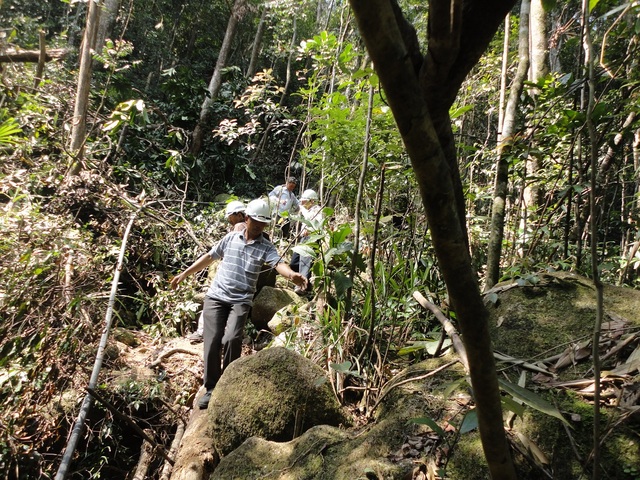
296,94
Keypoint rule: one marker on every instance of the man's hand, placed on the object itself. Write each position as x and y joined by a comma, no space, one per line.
300,280
176,280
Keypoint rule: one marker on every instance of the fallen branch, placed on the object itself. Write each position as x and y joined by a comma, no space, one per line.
26,56
620,346
448,327
146,457
529,366
173,351
177,438
93,381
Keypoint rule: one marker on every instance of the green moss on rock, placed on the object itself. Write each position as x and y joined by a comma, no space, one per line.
267,395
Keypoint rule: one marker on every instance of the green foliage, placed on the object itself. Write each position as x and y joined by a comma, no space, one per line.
149,85
531,399
126,114
9,129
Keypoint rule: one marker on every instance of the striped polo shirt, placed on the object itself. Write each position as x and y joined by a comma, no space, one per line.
242,261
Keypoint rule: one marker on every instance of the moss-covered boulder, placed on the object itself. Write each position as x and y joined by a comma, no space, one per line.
539,316
547,320
329,453
272,394
288,316
268,302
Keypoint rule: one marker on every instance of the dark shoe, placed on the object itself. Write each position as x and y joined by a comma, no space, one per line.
204,400
195,337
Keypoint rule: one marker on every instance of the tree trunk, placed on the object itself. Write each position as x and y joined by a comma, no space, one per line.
505,140
539,41
107,22
237,12
79,123
589,59
292,50
539,68
420,92
257,45
41,59
503,73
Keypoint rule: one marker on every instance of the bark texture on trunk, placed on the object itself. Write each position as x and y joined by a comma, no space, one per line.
420,92
238,11
505,139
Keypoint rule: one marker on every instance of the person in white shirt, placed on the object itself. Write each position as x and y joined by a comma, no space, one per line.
286,201
311,212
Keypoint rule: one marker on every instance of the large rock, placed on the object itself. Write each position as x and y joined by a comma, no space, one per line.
268,302
271,394
287,317
329,453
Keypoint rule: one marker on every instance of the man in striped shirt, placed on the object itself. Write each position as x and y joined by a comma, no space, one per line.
230,296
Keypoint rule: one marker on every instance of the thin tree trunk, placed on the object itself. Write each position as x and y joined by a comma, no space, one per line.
372,262
42,58
292,49
539,68
505,141
257,45
593,157
356,220
79,122
97,366
539,41
503,73
237,12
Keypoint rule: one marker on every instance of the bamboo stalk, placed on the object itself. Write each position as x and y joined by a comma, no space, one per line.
93,381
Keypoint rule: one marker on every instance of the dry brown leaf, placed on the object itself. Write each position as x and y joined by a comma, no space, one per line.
538,455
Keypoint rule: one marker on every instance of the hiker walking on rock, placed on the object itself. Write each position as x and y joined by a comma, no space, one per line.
236,217
230,296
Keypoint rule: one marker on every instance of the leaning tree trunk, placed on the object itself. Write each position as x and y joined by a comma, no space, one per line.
420,91
257,45
79,123
505,140
237,12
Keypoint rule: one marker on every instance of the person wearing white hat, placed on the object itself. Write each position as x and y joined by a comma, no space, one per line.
286,201
313,214
230,296
235,215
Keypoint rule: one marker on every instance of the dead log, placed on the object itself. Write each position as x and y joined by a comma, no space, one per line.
146,457
23,56
196,457
177,439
